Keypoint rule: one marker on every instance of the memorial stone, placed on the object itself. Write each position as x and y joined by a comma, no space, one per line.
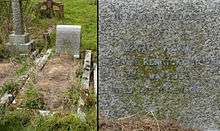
68,40
160,56
19,41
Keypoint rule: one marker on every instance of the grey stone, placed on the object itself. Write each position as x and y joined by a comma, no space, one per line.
6,99
46,113
40,62
68,39
80,113
17,17
87,70
19,41
174,46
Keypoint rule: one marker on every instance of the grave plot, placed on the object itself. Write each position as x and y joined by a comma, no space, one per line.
58,76
60,81
53,80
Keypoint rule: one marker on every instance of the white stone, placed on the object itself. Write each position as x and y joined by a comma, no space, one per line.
46,113
86,70
68,39
81,115
7,98
40,62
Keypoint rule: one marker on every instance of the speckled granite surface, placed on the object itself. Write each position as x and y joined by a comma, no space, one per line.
161,56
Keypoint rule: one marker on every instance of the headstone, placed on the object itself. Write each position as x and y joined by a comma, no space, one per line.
160,56
68,40
19,41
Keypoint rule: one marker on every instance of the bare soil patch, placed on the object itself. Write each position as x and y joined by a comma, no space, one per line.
56,78
7,71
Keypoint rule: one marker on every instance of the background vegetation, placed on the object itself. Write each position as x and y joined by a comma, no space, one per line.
76,12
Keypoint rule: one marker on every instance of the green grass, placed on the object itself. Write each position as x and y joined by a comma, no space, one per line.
76,12
20,120
80,12
8,87
33,99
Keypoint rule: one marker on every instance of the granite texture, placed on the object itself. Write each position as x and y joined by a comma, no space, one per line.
20,44
17,17
160,56
68,39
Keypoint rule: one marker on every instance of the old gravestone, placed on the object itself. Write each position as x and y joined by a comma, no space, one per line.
160,56
68,39
19,41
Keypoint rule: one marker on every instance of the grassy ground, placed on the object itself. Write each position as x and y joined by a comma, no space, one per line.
77,12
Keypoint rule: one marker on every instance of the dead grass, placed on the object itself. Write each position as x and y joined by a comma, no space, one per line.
135,123
7,71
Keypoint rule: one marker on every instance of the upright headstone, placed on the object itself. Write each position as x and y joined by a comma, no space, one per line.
160,56
68,39
19,41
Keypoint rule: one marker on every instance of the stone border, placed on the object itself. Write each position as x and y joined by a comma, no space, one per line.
40,62
86,70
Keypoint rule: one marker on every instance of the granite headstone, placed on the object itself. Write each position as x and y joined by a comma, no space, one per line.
160,56
68,39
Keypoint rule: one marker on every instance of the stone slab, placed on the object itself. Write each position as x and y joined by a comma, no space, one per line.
68,40
24,48
160,56
87,70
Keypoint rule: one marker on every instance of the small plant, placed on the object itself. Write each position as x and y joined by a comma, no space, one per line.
8,87
91,99
14,120
61,122
23,69
32,98
72,98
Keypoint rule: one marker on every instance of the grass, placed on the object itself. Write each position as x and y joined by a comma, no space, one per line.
20,120
8,87
80,12
77,12
33,99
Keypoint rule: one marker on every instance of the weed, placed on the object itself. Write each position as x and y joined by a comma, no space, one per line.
32,98
9,87
14,120
72,98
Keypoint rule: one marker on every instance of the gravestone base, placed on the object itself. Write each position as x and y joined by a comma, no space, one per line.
20,44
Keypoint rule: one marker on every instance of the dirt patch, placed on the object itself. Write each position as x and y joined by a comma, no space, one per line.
7,71
56,78
139,124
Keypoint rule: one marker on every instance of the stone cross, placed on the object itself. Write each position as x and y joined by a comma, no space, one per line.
19,41
17,17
